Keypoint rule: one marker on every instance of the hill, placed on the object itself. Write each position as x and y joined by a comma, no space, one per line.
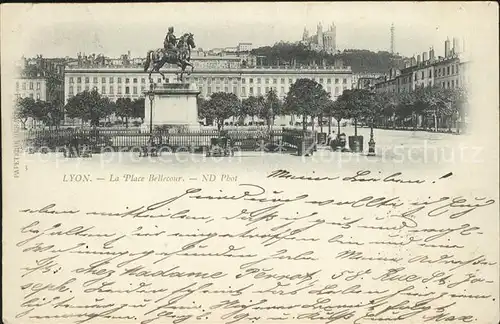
298,54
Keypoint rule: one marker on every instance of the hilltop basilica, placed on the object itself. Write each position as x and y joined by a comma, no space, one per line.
323,40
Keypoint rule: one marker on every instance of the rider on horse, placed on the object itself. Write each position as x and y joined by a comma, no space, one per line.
176,51
170,42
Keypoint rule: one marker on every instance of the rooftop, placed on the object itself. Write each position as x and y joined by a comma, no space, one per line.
117,69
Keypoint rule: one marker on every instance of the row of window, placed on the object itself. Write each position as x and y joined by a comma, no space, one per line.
290,80
128,90
220,80
450,85
104,79
422,75
444,84
134,90
445,71
30,85
19,95
206,79
258,90
210,65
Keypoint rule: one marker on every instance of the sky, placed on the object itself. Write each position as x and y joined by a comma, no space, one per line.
59,30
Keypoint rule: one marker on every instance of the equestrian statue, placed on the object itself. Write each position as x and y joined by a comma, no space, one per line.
175,51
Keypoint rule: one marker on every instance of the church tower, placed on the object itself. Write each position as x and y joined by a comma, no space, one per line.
329,39
334,37
319,35
305,35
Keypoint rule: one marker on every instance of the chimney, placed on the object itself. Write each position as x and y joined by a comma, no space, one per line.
447,51
424,57
418,59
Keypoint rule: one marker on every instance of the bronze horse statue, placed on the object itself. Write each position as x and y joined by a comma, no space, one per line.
181,57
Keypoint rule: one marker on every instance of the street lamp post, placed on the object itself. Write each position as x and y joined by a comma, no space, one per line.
270,117
371,142
151,97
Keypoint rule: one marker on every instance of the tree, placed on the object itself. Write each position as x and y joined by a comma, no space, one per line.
25,108
405,105
47,112
260,109
75,107
376,107
109,107
327,112
41,110
432,101
459,101
252,106
203,112
124,109
50,113
99,107
222,106
338,110
358,103
88,106
54,85
307,98
272,107
138,108
243,111
389,103
322,106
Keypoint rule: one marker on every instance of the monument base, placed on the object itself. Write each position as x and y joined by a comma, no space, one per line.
173,106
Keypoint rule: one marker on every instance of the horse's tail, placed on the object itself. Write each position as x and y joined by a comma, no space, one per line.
148,60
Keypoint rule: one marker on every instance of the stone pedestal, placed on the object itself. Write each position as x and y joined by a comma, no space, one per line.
174,104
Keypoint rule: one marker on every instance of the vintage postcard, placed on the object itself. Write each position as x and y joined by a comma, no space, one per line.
258,162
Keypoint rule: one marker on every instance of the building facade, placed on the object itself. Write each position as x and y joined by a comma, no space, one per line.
210,75
244,47
35,88
364,80
41,78
447,72
322,40
426,70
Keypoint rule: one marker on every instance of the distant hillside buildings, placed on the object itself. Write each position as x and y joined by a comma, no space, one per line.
322,40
